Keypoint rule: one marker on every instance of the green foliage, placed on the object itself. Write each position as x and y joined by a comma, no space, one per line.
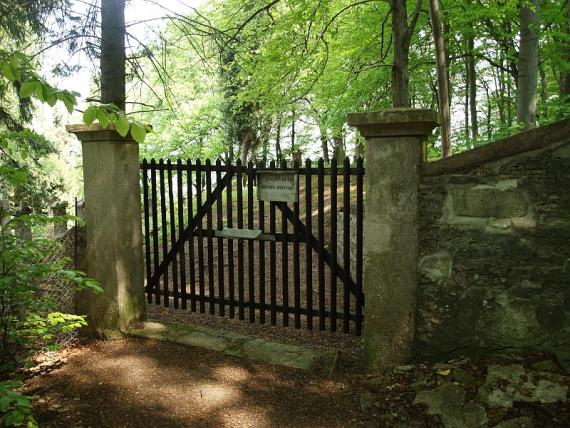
16,67
107,114
26,321
15,407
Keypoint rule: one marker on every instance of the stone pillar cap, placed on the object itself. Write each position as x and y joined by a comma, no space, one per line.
96,132
395,122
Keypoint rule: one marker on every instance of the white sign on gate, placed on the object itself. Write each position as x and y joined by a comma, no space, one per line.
278,186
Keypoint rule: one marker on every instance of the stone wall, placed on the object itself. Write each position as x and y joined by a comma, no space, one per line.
494,269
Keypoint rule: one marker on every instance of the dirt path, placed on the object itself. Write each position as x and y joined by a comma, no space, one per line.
140,383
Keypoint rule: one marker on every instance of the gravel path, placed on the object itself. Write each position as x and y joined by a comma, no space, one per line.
143,383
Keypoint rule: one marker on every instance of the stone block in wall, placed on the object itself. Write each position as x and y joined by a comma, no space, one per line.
496,206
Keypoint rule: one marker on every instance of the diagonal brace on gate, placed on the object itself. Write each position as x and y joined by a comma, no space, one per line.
327,257
189,230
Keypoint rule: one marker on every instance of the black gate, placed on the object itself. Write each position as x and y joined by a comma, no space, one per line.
212,242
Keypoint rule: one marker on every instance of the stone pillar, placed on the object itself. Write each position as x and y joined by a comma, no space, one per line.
114,252
59,209
393,147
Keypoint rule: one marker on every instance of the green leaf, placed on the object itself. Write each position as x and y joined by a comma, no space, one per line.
8,72
122,125
4,403
90,114
69,101
138,132
28,88
103,118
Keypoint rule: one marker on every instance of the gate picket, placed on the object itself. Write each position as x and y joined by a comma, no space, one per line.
272,260
346,244
209,240
156,255
190,210
172,227
220,242
241,314
250,256
202,286
164,230
230,223
182,273
146,227
321,239
180,210
308,248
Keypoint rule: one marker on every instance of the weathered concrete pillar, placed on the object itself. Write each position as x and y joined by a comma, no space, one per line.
114,254
393,147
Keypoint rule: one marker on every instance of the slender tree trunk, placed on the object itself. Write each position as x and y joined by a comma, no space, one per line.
528,63
543,90
564,89
442,78
278,141
293,134
325,144
113,55
466,107
472,73
400,95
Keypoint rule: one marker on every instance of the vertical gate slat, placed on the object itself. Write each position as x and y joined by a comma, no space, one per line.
308,249
211,289
333,241
296,260
146,229
250,246
156,255
272,261
229,212
321,239
172,233
359,240
179,185
220,241
285,260
240,241
190,215
200,234
164,231
346,244
261,226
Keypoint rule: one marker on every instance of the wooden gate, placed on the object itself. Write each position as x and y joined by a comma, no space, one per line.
232,240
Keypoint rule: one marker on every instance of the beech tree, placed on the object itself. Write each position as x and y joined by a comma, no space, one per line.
528,63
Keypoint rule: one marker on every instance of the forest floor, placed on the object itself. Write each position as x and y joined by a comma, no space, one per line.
145,383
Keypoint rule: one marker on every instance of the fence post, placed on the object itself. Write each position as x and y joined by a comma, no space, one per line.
113,226
393,148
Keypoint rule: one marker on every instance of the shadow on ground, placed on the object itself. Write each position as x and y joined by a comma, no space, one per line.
155,384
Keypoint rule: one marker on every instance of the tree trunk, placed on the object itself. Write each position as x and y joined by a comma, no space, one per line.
528,63
472,73
443,86
543,91
278,141
325,144
113,55
564,89
400,96
293,134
